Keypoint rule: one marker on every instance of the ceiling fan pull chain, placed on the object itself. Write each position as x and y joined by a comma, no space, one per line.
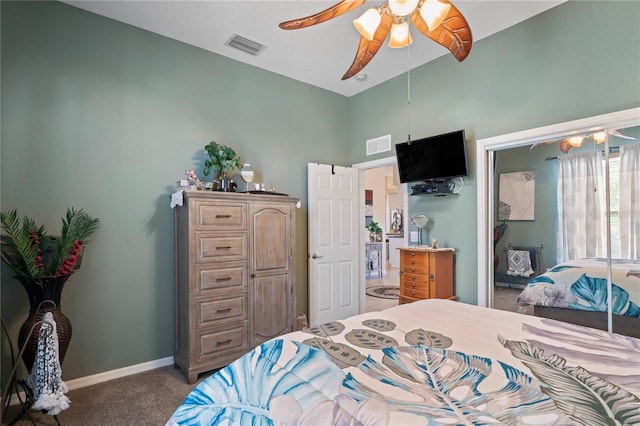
409,92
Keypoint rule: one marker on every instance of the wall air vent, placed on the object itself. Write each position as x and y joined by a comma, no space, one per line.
248,46
378,145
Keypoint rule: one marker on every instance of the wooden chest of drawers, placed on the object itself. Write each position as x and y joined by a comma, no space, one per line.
426,273
235,276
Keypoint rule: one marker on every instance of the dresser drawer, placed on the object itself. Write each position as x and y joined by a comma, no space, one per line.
217,248
211,216
412,258
415,285
409,277
217,342
214,312
418,294
412,269
210,280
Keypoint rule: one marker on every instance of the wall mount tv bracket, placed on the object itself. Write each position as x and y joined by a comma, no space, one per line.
438,187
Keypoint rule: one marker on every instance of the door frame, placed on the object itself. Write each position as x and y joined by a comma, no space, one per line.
485,182
374,164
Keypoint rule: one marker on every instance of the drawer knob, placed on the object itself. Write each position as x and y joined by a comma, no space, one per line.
223,310
413,261
432,276
224,342
413,269
413,285
413,253
413,277
413,293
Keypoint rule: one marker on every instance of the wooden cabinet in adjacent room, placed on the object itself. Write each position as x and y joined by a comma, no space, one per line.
426,273
235,276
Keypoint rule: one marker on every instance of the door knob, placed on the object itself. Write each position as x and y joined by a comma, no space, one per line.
315,256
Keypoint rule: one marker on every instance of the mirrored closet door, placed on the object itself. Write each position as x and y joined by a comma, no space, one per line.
560,219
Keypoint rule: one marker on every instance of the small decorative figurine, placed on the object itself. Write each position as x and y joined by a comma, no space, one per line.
194,182
434,244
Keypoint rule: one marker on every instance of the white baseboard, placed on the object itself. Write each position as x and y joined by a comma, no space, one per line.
110,375
120,372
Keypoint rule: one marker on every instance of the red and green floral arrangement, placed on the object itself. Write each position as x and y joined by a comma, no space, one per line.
31,253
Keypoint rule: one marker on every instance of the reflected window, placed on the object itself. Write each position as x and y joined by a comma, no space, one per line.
614,197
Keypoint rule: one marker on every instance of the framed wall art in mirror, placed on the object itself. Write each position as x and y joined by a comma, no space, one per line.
517,196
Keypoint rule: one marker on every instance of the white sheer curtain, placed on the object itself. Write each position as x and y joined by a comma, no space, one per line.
581,207
630,201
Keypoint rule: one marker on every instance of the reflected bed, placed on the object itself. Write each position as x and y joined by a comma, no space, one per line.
576,291
428,362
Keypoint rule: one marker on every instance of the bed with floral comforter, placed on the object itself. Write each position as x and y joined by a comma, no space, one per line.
430,362
582,285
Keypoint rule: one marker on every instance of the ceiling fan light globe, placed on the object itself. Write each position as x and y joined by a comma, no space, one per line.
403,7
433,12
600,137
400,36
575,140
368,23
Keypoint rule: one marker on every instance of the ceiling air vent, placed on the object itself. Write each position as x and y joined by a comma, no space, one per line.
378,145
248,46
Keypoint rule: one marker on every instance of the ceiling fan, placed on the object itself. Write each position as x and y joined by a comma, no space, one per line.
570,142
439,20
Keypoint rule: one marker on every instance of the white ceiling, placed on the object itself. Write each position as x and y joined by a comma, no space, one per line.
318,55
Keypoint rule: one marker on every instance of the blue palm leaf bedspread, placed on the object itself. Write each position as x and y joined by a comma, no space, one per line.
430,362
582,284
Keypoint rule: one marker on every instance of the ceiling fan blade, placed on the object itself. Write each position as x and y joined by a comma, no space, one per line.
367,49
334,11
454,32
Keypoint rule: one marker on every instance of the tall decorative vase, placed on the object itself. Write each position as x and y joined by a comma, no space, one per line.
39,290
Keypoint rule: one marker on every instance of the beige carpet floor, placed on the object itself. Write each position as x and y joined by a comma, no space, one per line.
506,299
148,398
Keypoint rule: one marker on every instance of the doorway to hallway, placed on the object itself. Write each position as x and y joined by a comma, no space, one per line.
388,202
388,279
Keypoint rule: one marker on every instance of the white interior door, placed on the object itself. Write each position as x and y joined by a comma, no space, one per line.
334,248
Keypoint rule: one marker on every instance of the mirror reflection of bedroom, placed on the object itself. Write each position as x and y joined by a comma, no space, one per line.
551,225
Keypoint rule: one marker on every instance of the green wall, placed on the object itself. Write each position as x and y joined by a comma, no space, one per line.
106,117
576,60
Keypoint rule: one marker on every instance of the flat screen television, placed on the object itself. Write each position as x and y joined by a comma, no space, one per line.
440,157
